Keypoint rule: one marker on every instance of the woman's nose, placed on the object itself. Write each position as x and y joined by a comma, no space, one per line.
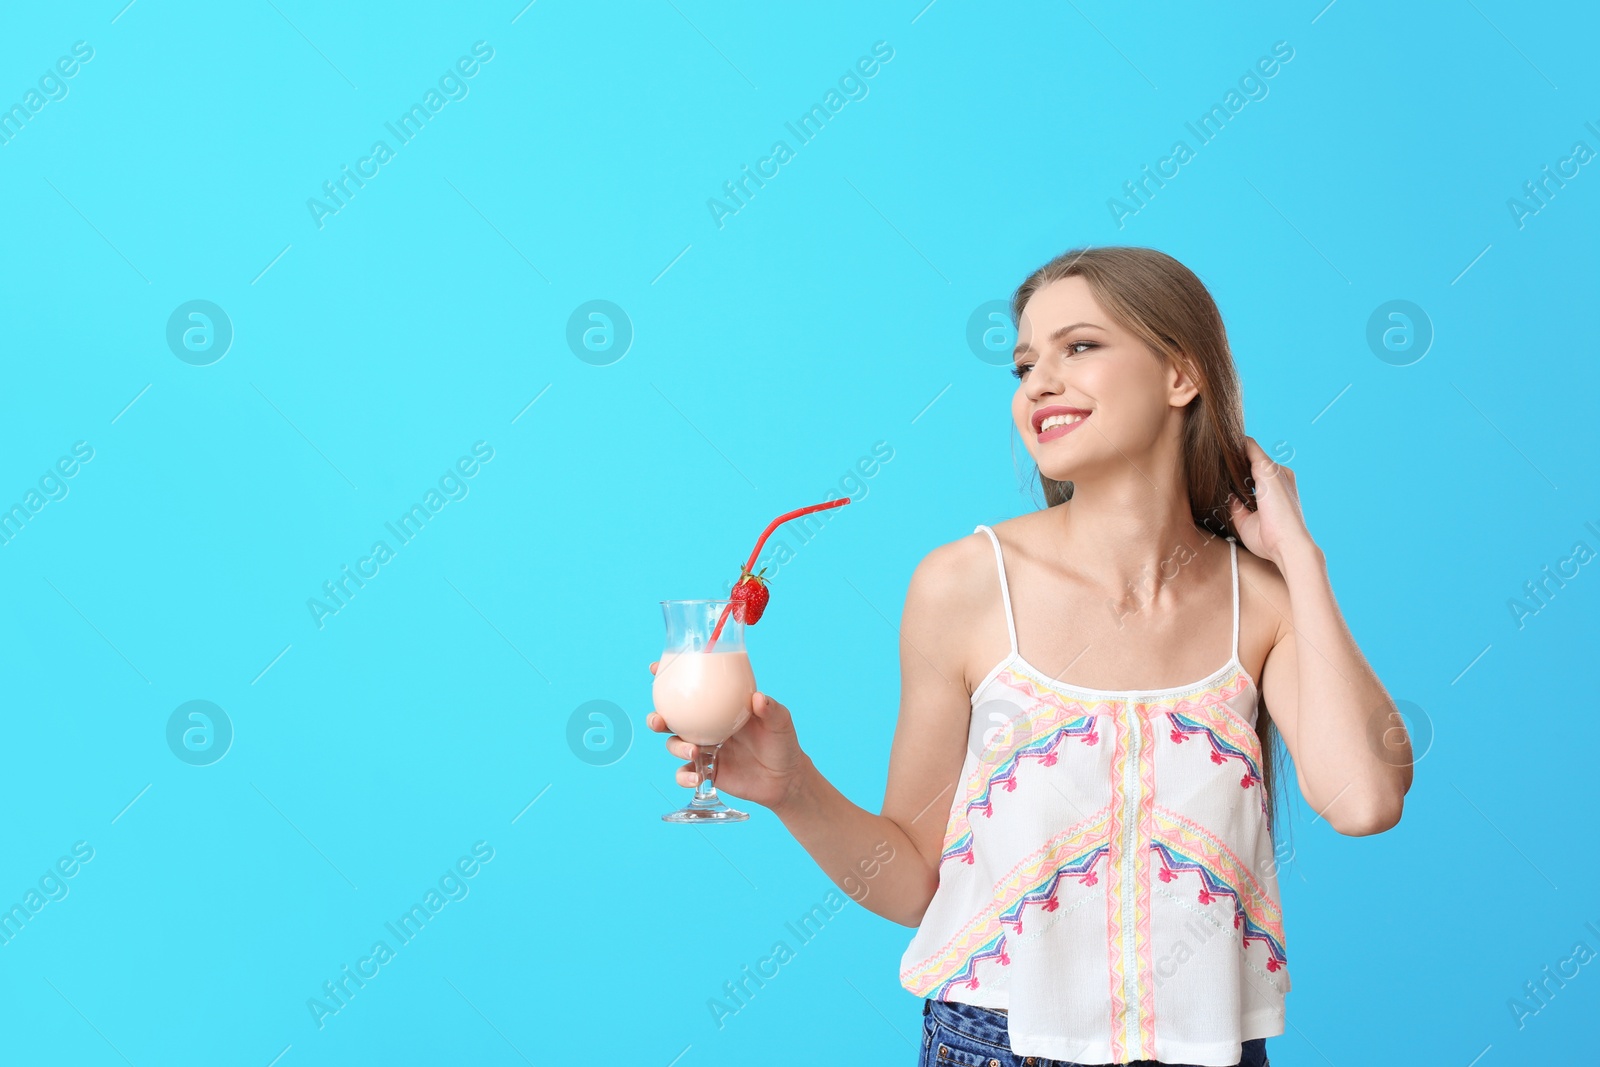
1042,380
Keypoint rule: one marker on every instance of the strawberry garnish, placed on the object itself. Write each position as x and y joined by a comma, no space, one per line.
750,592
750,596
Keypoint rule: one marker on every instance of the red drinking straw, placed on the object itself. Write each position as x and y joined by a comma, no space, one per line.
751,562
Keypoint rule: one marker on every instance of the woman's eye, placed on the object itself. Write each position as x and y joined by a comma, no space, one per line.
1073,349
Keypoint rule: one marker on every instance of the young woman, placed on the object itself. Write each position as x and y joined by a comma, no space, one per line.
1080,813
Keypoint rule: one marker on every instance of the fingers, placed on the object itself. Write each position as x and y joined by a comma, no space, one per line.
654,665
685,775
772,714
1259,455
1263,466
675,744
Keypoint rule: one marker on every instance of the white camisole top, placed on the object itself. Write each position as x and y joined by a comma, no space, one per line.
1108,877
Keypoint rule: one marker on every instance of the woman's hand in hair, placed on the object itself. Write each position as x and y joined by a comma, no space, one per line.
1276,527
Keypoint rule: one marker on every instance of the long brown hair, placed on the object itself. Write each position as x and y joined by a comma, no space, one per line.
1166,306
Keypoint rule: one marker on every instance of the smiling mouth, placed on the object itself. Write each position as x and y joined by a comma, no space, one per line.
1059,426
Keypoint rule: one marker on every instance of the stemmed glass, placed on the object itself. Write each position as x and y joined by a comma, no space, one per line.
704,696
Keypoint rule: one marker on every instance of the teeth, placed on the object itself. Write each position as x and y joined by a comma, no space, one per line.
1060,420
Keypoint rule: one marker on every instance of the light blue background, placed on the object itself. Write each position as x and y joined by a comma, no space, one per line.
769,355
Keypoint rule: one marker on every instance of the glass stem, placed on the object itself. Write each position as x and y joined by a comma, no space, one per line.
705,767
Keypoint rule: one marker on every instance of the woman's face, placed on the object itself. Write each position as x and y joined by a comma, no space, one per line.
1091,396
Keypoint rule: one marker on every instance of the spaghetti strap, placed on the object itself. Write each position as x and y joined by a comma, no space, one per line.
1005,592
1233,551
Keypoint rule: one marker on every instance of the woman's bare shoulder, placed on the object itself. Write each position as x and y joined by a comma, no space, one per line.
964,569
1019,529
959,579
951,575
955,595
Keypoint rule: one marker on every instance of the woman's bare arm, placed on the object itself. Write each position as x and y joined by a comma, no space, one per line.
1348,741
1349,745
889,862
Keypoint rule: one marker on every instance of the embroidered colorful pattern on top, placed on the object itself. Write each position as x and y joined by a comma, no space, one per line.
1036,880
1063,823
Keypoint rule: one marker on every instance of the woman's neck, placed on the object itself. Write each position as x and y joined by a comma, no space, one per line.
1126,530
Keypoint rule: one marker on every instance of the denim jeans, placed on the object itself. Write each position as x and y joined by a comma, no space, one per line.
961,1035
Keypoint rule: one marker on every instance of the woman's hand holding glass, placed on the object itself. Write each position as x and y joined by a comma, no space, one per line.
761,762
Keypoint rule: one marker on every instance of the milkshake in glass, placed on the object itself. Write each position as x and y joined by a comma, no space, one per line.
704,696
703,689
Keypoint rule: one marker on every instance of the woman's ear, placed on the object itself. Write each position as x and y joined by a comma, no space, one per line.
1183,385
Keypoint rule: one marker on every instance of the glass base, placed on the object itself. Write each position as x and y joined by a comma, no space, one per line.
706,805
700,812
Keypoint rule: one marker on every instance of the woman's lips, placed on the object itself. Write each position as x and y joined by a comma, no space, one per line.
1061,431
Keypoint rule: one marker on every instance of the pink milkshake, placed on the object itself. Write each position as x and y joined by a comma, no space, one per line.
704,696
704,686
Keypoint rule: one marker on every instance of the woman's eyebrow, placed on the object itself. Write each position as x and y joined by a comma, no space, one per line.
1058,335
